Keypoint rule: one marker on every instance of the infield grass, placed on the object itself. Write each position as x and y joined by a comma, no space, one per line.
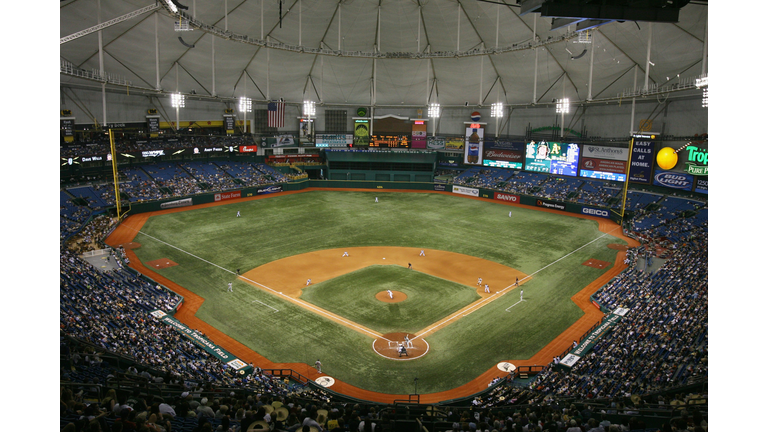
353,296
210,243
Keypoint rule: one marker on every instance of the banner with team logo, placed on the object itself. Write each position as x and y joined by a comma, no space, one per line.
435,142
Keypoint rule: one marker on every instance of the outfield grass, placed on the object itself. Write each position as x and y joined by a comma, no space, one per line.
353,296
209,243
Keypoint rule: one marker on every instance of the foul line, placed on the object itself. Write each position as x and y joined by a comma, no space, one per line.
507,309
319,311
493,297
266,305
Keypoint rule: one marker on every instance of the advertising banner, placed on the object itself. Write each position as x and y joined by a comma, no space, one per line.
268,189
223,196
229,124
419,134
153,125
202,341
595,212
506,197
435,142
473,146
549,204
600,152
455,143
306,130
641,164
505,157
362,133
333,140
673,180
702,185
178,203
248,149
604,165
466,191
439,187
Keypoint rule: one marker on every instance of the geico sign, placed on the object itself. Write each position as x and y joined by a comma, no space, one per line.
506,197
594,212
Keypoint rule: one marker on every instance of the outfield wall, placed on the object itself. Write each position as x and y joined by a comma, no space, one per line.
207,198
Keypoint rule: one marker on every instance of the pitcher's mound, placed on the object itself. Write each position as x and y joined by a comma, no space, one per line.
388,346
397,296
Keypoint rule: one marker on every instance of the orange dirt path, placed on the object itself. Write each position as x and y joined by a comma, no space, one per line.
127,231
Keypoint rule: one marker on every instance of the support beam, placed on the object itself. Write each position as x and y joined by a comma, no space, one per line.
109,23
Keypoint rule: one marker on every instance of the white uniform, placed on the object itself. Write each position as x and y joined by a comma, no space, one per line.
238,213
479,281
390,293
487,288
377,199
229,287
309,281
345,254
521,294
422,253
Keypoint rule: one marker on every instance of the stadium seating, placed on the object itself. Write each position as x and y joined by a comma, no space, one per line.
657,353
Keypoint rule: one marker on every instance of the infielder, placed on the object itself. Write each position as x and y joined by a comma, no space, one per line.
479,281
309,281
487,288
422,253
229,287
345,254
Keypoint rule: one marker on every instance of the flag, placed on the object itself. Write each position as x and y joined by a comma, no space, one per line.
276,114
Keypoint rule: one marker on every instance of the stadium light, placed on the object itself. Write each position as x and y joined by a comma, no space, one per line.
309,108
704,83
177,100
434,110
246,104
563,106
497,109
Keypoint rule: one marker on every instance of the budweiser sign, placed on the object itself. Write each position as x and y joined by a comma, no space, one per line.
507,155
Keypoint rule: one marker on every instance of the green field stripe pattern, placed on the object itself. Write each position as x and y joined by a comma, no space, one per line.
288,225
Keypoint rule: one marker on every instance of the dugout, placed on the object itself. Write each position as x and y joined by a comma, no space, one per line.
380,165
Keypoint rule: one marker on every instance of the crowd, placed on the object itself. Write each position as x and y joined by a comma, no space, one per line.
660,343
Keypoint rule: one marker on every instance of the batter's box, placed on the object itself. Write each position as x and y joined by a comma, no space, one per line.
596,263
160,263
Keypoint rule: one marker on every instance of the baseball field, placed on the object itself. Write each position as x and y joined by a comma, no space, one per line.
297,298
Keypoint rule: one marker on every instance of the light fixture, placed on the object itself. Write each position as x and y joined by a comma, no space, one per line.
177,100
563,106
433,111
309,108
703,83
172,6
246,104
497,109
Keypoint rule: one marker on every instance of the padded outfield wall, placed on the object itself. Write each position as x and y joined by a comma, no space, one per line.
366,184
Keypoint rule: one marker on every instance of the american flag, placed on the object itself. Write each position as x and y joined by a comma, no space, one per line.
276,114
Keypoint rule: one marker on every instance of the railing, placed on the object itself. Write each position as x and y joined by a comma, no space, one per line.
68,68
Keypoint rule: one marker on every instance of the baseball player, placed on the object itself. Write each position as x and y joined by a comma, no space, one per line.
309,281
238,213
422,253
479,281
377,199
390,294
229,287
345,254
487,288
521,294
